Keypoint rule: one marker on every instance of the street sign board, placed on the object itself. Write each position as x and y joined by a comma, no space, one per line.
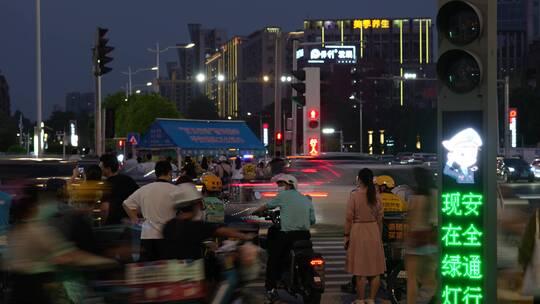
345,54
134,138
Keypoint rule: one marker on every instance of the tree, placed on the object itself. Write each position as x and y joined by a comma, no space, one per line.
140,111
202,108
8,131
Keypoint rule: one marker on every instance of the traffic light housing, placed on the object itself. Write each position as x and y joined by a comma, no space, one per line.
279,138
300,87
101,50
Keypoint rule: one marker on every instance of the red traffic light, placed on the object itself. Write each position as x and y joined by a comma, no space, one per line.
313,114
279,136
121,143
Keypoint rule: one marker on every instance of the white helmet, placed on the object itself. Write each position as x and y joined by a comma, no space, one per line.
286,178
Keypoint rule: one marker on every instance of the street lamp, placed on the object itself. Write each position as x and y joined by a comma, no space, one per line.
200,77
361,105
130,73
149,84
138,92
283,78
266,78
158,51
248,113
221,78
229,117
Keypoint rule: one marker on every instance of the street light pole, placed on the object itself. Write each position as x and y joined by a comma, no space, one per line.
38,80
506,110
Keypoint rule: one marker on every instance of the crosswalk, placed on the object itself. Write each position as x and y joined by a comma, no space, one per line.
330,246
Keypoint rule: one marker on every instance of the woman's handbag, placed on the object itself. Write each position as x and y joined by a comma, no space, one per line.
531,280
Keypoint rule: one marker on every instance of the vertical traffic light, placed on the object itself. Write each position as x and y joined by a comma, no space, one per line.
312,111
279,139
100,53
299,87
467,124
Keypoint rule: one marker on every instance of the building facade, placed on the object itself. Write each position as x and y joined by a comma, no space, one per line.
402,46
181,86
224,77
248,66
5,101
80,103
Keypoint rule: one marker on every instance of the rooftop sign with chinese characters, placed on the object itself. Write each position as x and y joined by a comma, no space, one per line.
461,230
333,54
371,23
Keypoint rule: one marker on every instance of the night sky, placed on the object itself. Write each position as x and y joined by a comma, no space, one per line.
68,29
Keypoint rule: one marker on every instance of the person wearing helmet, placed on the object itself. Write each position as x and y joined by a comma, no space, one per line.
297,216
384,183
211,191
184,235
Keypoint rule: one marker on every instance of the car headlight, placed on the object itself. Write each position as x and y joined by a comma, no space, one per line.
511,169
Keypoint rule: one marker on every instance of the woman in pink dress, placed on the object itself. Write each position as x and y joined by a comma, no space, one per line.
363,237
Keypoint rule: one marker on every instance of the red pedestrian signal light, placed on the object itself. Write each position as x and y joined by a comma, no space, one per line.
279,138
313,119
121,143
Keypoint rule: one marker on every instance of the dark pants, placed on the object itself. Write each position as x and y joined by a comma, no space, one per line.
152,249
279,245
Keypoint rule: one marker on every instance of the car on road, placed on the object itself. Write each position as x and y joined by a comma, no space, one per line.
535,166
515,169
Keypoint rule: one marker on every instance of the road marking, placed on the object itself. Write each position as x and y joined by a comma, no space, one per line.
529,196
335,262
328,247
341,275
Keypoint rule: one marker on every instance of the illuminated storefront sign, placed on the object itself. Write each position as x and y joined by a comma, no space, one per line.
371,23
333,54
461,227
512,117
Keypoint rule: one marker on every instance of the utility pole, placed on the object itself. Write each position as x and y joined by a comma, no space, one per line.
277,90
506,115
37,131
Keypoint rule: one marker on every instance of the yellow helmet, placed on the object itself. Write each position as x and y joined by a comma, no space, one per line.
211,182
385,180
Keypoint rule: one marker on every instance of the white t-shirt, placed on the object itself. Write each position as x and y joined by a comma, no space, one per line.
156,206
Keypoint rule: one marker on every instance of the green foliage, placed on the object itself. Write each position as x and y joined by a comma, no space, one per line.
8,131
141,111
114,101
16,149
202,108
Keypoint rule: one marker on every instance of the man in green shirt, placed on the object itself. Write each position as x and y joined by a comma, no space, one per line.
297,215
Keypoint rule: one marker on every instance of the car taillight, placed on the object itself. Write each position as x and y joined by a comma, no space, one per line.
316,262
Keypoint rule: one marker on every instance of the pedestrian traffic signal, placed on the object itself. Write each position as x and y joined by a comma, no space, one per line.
279,139
468,141
101,50
299,86
121,143
313,118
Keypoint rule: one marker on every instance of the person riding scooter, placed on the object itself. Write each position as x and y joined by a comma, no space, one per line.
297,216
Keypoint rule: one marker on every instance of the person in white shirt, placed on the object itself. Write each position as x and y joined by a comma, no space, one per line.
153,201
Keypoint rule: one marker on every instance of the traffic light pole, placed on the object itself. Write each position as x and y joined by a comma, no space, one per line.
38,130
294,106
97,114
277,91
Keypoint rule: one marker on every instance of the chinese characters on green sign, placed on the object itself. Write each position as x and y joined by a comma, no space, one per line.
461,247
